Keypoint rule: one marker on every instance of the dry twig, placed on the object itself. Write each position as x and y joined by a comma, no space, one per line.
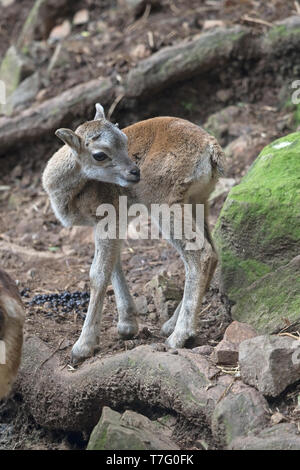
250,19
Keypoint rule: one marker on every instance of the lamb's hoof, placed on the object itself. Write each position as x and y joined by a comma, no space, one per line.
80,352
128,330
178,340
168,328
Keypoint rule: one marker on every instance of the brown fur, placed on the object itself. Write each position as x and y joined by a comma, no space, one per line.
11,331
179,163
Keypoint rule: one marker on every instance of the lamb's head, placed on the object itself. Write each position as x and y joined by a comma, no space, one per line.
100,147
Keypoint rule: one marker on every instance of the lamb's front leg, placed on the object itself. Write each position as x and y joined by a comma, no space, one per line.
105,255
127,324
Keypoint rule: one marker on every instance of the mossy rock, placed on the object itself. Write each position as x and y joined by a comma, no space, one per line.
258,236
130,431
282,37
176,63
13,69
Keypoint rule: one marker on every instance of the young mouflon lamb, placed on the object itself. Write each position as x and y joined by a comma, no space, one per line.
164,160
12,317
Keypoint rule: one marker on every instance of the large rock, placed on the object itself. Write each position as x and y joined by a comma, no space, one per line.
24,94
239,415
130,431
14,68
6,3
270,363
226,124
41,19
258,236
280,437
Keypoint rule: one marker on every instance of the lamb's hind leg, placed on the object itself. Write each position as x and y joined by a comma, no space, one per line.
169,326
214,255
127,324
106,252
197,268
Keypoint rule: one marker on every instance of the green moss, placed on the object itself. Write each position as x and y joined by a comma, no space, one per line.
241,271
10,70
271,191
264,208
297,116
272,300
99,443
26,35
258,232
281,32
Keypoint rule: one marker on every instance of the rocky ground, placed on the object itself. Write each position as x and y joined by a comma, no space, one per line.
245,104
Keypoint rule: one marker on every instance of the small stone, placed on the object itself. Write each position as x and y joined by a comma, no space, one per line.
41,95
224,95
141,305
270,363
205,350
210,24
61,31
277,418
139,52
6,3
227,351
237,332
81,17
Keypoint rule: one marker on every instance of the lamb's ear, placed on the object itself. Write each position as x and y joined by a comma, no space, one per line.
99,112
70,138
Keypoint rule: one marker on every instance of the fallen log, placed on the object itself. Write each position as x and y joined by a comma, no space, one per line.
39,120
212,52
186,384
185,60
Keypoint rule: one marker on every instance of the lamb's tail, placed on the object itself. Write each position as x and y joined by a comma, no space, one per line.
217,158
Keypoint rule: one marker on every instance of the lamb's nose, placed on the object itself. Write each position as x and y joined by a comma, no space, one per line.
135,172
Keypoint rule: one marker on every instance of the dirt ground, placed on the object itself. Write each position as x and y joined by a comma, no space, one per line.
45,258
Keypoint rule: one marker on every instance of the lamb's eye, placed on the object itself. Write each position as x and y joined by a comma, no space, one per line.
100,156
